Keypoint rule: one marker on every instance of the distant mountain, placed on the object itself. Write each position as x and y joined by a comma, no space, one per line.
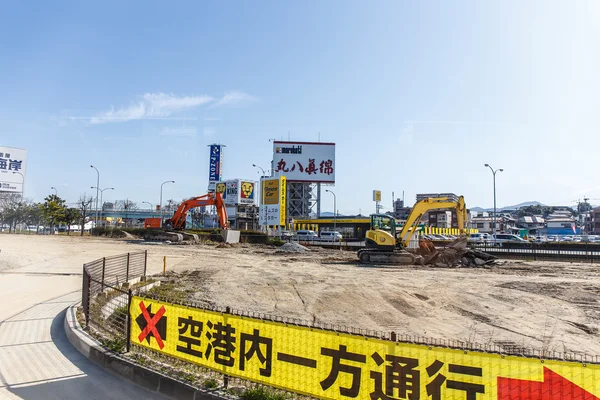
525,204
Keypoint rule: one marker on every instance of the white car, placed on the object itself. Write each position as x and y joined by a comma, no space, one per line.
501,238
307,235
479,237
331,236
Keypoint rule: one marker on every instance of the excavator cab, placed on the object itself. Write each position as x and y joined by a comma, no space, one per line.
382,233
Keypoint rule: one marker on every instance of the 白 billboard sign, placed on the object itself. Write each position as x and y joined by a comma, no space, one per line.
304,161
13,164
215,165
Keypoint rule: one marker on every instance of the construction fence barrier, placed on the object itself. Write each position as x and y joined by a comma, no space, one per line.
321,360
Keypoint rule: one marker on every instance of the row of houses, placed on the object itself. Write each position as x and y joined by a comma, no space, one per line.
560,222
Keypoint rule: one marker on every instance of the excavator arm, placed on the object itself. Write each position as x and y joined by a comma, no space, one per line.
210,199
434,203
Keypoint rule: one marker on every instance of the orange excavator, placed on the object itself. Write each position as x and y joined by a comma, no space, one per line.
177,221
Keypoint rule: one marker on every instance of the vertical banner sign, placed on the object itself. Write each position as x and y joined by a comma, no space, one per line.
13,165
282,200
215,166
338,366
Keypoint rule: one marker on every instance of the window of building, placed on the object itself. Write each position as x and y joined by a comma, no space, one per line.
480,225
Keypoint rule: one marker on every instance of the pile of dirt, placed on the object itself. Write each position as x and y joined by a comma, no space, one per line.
292,248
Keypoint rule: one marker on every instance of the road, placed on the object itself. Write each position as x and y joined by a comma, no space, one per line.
38,281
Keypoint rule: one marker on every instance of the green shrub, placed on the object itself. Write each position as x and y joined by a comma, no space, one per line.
210,383
117,345
275,242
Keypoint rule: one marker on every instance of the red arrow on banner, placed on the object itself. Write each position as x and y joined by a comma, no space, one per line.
554,387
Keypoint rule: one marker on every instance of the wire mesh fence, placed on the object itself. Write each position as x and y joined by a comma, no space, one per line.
106,295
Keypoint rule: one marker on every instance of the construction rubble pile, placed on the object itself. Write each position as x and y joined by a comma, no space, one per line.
455,254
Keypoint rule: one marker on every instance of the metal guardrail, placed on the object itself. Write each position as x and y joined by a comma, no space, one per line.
543,251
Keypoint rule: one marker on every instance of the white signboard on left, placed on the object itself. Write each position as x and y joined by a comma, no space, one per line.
13,164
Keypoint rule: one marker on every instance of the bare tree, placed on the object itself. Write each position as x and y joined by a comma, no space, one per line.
84,204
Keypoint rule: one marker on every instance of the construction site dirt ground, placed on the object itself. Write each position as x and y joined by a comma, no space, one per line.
550,306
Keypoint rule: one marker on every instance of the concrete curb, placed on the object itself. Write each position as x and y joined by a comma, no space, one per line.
127,369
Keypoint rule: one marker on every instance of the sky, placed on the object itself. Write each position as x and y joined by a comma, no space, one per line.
417,96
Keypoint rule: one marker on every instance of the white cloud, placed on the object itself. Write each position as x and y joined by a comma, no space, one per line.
235,97
151,105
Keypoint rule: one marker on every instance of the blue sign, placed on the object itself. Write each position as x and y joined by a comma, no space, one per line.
215,168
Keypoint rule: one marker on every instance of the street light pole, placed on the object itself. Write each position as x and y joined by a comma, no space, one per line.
334,208
161,207
101,198
55,191
262,200
150,204
494,179
22,183
97,190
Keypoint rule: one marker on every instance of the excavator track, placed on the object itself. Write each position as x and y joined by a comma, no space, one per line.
368,256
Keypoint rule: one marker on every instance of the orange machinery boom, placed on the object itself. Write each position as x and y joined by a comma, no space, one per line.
210,199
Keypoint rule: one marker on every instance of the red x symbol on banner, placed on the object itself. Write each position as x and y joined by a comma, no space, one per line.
151,326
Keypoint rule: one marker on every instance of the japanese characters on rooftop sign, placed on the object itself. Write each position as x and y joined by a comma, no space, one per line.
332,365
304,161
13,164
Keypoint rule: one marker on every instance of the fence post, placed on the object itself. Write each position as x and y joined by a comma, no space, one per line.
103,269
128,339
85,297
127,271
145,262
534,253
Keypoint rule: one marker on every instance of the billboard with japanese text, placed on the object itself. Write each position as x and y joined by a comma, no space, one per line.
332,365
13,165
304,161
273,207
215,166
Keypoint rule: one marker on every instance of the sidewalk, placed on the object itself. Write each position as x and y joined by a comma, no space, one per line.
38,362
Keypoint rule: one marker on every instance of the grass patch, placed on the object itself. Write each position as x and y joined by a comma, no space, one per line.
169,291
210,383
118,345
263,393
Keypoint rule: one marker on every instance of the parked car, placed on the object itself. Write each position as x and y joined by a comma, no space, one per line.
478,237
552,238
307,235
501,238
288,235
331,236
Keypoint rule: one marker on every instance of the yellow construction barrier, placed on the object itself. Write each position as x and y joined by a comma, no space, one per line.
331,365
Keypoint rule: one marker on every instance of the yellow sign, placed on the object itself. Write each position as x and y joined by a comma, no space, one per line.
282,201
376,195
330,365
270,191
220,187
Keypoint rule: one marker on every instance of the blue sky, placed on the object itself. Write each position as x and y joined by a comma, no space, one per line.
416,95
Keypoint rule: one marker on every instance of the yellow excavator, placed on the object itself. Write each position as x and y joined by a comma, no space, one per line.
385,243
